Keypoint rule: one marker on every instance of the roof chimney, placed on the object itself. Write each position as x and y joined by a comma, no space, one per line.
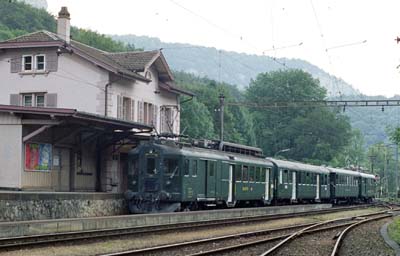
63,25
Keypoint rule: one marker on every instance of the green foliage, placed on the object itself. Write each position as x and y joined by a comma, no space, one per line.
352,154
394,135
238,123
17,18
394,230
310,134
99,41
196,120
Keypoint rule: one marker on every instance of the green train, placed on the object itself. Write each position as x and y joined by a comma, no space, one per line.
166,176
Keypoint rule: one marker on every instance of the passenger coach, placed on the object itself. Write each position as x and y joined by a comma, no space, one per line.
167,176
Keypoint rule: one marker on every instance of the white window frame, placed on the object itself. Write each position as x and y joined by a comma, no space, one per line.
34,100
44,62
32,63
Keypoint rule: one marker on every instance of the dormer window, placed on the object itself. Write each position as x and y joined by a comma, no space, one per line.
40,62
27,63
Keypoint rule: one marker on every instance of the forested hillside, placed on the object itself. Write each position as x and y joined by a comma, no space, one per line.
236,68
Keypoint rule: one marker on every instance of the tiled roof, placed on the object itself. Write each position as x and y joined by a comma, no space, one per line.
40,36
134,61
102,56
122,63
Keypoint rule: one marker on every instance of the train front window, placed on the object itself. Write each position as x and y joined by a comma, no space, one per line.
151,166
171,167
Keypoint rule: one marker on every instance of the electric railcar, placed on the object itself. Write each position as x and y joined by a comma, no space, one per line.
167,176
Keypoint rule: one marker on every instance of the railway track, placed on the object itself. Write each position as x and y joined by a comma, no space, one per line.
19,242
252,243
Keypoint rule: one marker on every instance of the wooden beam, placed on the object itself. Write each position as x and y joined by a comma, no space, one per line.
41,121
36,132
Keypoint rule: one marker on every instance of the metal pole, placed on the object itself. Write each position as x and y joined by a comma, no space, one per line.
221,113
397,171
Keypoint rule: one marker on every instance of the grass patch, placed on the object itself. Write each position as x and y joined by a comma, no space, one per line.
394,230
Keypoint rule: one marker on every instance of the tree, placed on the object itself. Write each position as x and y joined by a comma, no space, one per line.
238,124
353,154
312,134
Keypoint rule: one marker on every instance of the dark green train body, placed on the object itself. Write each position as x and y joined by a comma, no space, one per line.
166,176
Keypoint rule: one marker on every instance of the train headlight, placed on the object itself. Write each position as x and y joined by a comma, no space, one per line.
168,182
134,182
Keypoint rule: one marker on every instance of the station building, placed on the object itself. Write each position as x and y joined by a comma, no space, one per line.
70,113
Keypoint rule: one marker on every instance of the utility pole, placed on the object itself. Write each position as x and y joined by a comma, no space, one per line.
397,170
221,115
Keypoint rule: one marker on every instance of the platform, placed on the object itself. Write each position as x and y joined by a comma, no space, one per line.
26,206
23,228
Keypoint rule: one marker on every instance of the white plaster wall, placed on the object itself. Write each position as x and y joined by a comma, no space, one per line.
142,91
78,83
10,151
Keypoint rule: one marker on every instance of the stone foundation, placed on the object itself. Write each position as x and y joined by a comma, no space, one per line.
22,206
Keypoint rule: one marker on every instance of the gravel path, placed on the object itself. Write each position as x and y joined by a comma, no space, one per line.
366,240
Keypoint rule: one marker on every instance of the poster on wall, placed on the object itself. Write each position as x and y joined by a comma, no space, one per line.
38,157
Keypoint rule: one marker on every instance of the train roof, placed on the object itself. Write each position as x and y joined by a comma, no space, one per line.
298,166
343,171
367,175
174,149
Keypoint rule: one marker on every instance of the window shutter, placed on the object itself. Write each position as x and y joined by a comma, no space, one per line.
51,62
15,99
119,106
16,63
155,116
162,119
141,111
171,120
51,100
133,110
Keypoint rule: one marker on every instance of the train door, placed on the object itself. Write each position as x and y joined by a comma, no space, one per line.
231,185
201,178
318,191
294,186
211,179
267,175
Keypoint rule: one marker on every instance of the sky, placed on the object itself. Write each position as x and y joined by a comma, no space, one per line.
351,39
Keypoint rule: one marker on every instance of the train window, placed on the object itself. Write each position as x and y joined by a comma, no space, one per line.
285,176
258,174
251,175
289,178
238,173
171,167
151,166
280,176
307,179
194,168
263,173
245,173
299,177
186,167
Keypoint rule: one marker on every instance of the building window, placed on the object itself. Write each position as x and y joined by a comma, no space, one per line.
40,62
27,100
167,119
33,100
27,63
34,62
125,108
